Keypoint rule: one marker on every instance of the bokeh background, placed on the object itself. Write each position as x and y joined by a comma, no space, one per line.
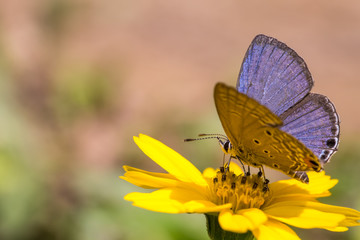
79,78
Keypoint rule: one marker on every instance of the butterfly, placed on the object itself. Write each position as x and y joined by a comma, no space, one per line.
271,118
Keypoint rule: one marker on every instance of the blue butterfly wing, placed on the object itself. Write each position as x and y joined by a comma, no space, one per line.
277,77
315,123
274,74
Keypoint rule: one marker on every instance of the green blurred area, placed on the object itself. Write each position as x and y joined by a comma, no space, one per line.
46,194
68,110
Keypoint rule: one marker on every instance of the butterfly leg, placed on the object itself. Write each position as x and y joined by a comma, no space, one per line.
228,163
243,166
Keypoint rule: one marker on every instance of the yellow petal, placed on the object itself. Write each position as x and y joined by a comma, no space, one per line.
181,195
347,212
350,222
274,230
319,185
352,216
147,179
235,168
242,221
291,189
234,223
305,214
170,200
160,175
338,229
149,202
204,207
170,160
209,173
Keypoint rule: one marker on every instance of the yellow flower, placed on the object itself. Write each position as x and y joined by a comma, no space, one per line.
240,203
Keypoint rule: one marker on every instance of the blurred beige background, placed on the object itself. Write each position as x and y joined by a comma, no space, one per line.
79,78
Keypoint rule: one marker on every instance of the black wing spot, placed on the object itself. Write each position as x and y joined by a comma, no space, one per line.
266,151
256,141
275,165
227,146
331,142
268,132
314,163
334,130
323,157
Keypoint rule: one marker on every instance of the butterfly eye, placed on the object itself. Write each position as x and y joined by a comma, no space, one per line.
227,146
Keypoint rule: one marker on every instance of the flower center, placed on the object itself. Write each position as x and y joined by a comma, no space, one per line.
243,191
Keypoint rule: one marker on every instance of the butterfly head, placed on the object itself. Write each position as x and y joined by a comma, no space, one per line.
224,142
225,145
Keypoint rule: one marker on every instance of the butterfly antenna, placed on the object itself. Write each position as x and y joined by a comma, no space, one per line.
201,138
207,136
212,134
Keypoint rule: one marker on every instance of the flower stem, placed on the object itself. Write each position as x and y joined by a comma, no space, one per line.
217,233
